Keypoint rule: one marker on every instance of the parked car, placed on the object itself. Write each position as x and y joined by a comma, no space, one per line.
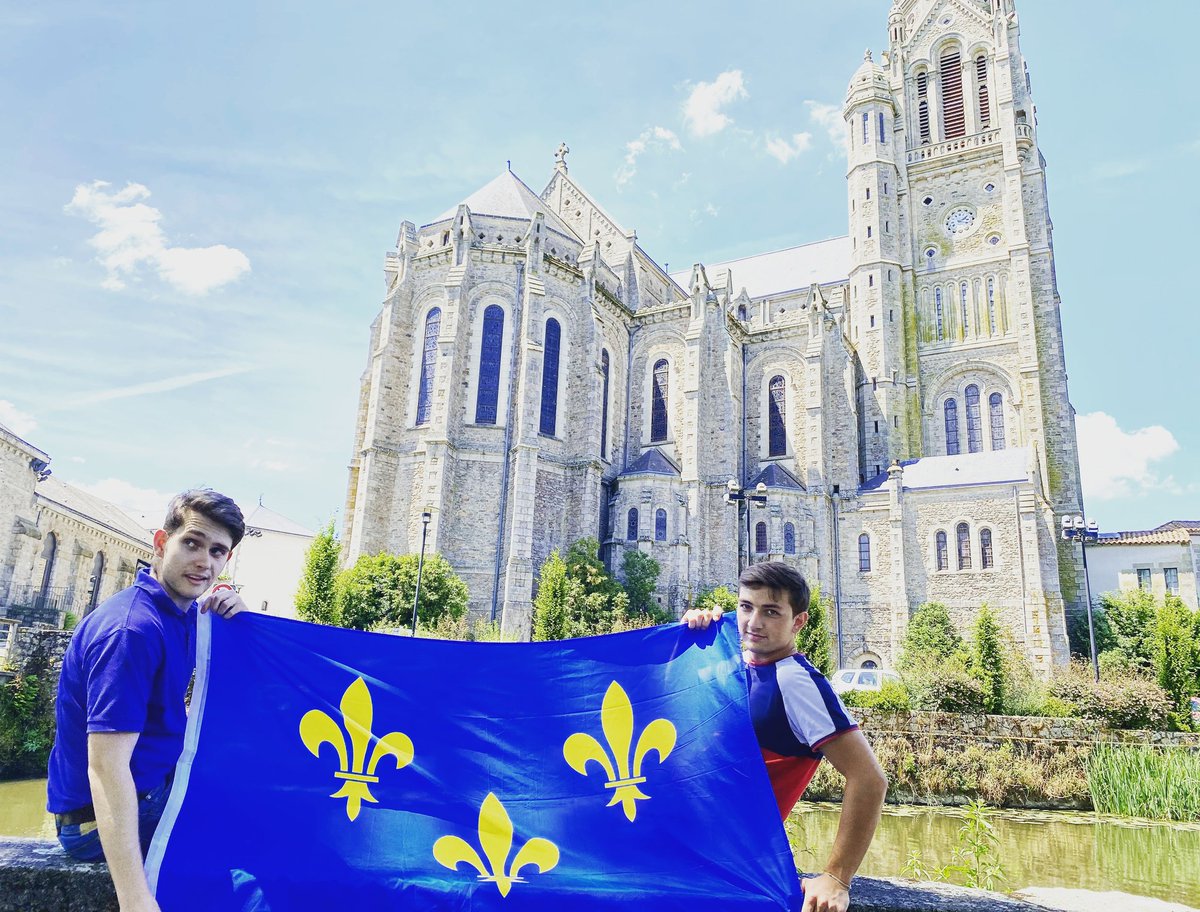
845,679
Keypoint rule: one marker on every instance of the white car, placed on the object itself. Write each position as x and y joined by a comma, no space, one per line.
845,679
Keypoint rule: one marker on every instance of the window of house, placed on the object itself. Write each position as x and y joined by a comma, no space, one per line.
604,404
549,416
760,538
1143,578
951,411
996,407
433,325
864,553
974,420
660,525
986,560
777,417
943,553
631,525
1171,578
658,401
488,393
789,538
963,533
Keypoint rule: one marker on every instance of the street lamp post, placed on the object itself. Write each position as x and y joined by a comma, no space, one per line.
425,518
1074,528
735,494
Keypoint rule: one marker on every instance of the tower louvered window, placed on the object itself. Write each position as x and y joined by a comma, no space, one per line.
776,415
964,546
660,525
760,538
631,527
974,421
996,406
981,79
951,427
954,119
433,325
604,405
962,305
866,128
488,394
992,306
943,552
923,106
940,313
987,559
658,401
789,538
549,417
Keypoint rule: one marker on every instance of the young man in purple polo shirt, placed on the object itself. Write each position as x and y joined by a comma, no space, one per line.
120,709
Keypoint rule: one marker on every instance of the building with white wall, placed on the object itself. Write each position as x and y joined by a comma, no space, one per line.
1162,560
267,565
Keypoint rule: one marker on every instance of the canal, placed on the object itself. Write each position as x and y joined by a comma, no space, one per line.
1044,849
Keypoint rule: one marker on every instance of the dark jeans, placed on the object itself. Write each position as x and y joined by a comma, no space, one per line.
85,845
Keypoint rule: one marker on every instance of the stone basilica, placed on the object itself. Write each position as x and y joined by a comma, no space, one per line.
888,409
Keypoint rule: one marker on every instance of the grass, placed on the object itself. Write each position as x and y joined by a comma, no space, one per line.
1143,782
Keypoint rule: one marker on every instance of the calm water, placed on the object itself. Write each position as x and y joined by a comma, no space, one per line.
1052,849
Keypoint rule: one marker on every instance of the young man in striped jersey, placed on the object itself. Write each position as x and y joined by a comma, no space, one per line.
799,720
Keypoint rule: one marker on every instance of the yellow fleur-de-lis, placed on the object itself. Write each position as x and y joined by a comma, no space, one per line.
624,769
317,728
496,840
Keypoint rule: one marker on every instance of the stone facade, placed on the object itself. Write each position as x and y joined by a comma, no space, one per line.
535,377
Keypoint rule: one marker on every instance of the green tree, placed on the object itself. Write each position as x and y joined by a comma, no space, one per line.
815,638
641,578
557,595
316,598
1177,655
584,564
716,597
378,591
930,640
1131,616
987,663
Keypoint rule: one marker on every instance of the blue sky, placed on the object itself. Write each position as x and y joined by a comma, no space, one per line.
201,316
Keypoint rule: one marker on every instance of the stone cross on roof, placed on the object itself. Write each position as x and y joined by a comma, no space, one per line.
560,157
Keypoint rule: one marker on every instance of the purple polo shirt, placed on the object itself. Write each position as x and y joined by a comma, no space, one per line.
126,669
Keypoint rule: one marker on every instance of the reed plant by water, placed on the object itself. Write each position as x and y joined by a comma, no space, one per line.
1144,782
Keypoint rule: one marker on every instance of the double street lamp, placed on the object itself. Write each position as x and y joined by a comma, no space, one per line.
1074,528
425,518
735,494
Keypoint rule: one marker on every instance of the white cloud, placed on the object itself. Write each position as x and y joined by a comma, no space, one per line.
19,422
154,386
702,110
146,505
785,151
654,138
829,117
131,238
1114,463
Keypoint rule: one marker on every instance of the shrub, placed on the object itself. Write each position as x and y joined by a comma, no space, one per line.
815,639
316,597
378,591
717,597
930,640
26,727
987,663
1132,703
891,697
641,578
1131,617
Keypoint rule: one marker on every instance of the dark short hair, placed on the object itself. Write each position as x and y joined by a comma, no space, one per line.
214,507
778,577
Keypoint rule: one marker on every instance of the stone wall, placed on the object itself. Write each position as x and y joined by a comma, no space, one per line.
39,651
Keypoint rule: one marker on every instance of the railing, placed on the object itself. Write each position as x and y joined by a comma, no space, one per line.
36,605
960,144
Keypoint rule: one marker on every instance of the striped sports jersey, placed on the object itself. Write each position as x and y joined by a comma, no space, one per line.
795,711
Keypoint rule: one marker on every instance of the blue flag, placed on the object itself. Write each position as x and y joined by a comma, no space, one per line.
331,769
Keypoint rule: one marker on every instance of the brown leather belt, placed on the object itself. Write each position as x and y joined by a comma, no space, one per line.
87,813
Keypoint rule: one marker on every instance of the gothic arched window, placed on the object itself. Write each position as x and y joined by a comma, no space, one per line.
986,558
963,532
981,79
658,401
777,416
954,121
660,525
631,527
952,427
96,581
789,538
882,134
760,538
433,325
604,405
864,553
996,407
974,421
489,365
940,314
943,552
549,420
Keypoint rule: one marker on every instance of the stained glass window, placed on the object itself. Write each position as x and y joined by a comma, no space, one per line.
864,553
433,325
660,525
943,552
489,365
549,420
996,407
986,560
952,427
658,401
777,412
882,135
760,538
789,538
964,546
974,421
631,530
604,405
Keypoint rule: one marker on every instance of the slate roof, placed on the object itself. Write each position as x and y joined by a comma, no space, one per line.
997,467
270,521
93,509
652,462
1191,525
776,476
508,196
780,271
